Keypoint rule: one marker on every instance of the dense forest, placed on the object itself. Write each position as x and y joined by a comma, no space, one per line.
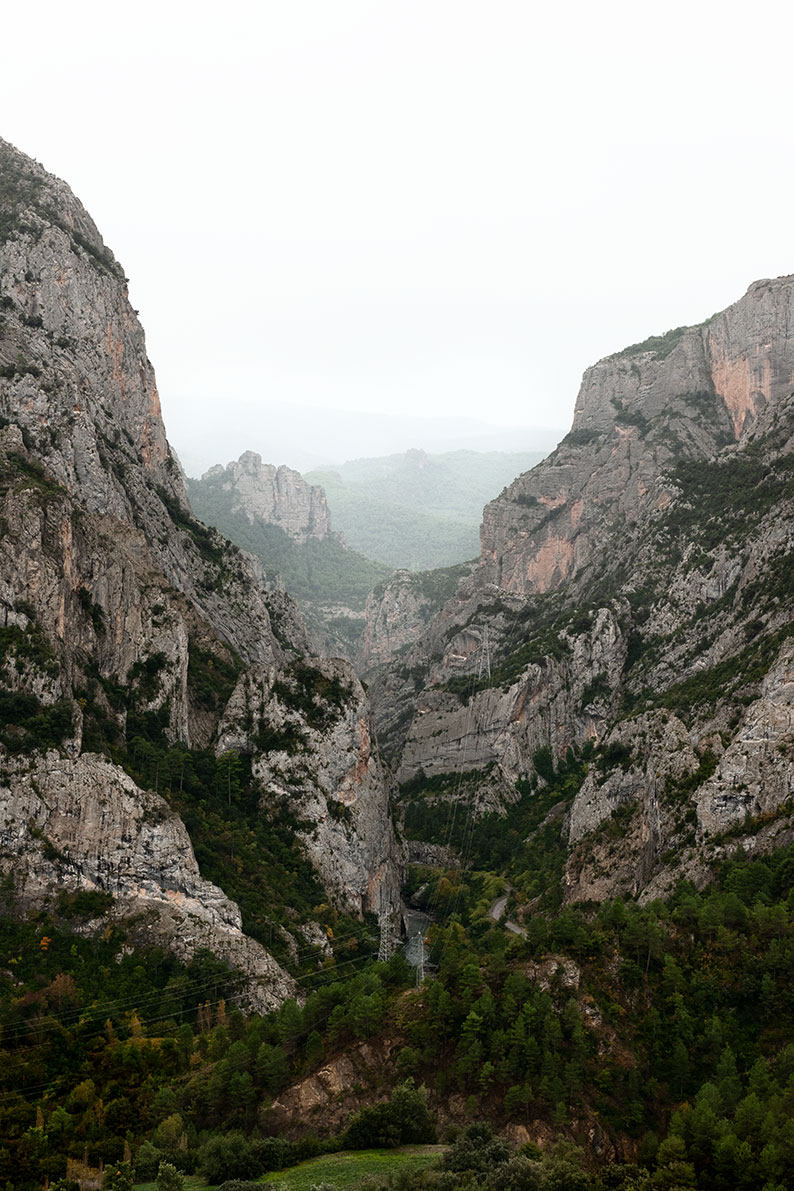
664,1031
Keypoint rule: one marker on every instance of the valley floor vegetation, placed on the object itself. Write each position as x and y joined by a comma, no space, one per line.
660,1036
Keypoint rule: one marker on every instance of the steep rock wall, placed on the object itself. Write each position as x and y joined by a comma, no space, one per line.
688,394
112,596
634,591
276,495
321,760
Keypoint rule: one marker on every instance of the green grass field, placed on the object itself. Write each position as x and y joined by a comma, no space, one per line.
345,1170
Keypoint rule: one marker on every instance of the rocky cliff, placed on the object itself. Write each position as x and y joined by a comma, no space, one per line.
285,523
398,611
634,597
695,393
319,754
83,824
126,624
275,495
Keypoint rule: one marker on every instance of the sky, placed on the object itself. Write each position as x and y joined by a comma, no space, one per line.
353,226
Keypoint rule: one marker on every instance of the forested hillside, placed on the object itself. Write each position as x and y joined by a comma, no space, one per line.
656,1038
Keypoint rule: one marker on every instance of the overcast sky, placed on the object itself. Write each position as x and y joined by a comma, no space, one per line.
431,209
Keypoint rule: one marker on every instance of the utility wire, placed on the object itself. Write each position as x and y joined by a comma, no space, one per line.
107,1008
32,1091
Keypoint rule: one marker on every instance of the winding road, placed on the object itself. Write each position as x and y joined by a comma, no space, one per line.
497,910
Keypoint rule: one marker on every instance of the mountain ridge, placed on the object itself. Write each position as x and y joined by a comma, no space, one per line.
639,571
129,625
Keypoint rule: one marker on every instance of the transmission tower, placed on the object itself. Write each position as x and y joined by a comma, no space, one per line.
386,948
484,658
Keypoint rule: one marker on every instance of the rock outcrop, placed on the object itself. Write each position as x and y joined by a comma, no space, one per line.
83,824
693,393
319,758
399,610
276,495
634,597
286,524
120,613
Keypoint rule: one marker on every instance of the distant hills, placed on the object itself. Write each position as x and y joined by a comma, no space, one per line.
305,437
334,535
416,510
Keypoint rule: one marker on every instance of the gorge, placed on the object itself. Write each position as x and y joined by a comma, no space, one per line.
211,825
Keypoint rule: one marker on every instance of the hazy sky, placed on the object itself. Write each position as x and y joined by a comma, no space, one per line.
417,208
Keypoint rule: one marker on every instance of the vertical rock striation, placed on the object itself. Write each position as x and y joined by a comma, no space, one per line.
115,600
276,495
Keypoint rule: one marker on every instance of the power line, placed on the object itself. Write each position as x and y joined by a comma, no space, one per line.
107,1008
27,1092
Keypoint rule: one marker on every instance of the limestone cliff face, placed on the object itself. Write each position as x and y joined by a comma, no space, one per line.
276,495
395,617
551,702
84,824
320,760
399,610
654,804
689,394
114,600
634,592
77,386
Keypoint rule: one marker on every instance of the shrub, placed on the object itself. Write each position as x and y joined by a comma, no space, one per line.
119,1177
147,1162
403,1120
169,1178
228,1157
476,1149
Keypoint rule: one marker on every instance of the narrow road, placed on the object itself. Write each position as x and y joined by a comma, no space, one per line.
497,910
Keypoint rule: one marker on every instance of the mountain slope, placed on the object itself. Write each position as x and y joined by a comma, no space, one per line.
128,626
634,595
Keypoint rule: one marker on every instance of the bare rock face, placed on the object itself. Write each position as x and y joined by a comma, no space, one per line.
689,394
326,1099
276,495
755,775
395,616
464,719
634,596
319,759
630,810
76,384
115,600
399,610
74,356
665,811
84,824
